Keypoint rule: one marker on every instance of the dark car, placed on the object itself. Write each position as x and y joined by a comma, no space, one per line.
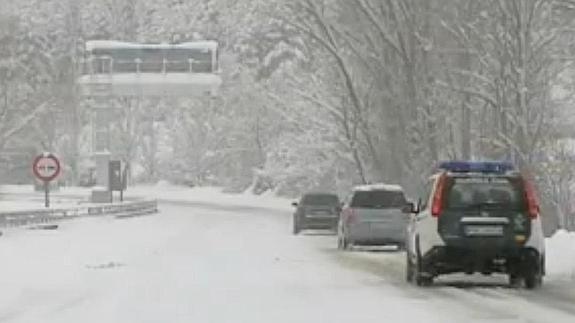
316,211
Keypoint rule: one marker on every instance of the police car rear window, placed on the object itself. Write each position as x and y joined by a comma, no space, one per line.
378,199
479,192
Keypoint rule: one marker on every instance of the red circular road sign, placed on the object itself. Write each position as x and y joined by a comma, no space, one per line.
46,167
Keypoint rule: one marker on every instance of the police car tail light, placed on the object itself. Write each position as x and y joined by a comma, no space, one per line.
437,202
531,200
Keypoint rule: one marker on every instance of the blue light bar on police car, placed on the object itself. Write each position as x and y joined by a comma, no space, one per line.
458,166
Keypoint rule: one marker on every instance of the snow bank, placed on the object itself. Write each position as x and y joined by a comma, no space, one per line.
163,191
560,255
24,198
34,205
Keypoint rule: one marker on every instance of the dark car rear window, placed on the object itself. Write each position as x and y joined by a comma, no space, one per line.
378,199
470,192
320,199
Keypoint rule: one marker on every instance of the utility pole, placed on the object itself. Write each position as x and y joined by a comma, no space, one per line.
74,28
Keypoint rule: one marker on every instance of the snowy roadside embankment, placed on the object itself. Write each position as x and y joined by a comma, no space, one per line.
22,206
161,191
36,205
14,198
560,255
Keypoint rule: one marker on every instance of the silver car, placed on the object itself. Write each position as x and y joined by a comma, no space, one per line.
372,215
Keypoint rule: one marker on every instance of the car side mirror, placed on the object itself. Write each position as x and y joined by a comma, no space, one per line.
409,208
419,206
294,204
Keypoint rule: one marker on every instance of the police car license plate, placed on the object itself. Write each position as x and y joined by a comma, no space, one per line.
484,230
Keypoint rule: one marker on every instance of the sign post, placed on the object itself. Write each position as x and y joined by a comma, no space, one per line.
47,194
46,167
124,182
117,177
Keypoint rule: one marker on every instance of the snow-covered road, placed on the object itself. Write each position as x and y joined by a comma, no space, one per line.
192,263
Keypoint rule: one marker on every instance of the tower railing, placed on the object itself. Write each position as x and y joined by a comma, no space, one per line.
103,65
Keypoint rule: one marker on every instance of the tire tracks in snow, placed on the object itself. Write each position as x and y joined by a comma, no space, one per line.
390,268
482,300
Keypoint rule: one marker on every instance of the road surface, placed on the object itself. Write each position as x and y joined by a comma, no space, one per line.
202,263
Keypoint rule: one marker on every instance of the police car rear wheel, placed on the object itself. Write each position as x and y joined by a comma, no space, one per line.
533,275
533,280
420,277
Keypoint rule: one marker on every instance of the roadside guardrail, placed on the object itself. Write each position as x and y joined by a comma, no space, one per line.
120,210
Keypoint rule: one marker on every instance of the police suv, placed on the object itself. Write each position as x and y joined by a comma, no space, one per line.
476,217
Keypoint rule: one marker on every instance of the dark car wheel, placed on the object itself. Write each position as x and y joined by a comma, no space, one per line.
401,246
334,229
296,227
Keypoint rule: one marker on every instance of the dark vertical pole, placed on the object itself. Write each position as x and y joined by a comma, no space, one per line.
122,195
111,180
47,193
